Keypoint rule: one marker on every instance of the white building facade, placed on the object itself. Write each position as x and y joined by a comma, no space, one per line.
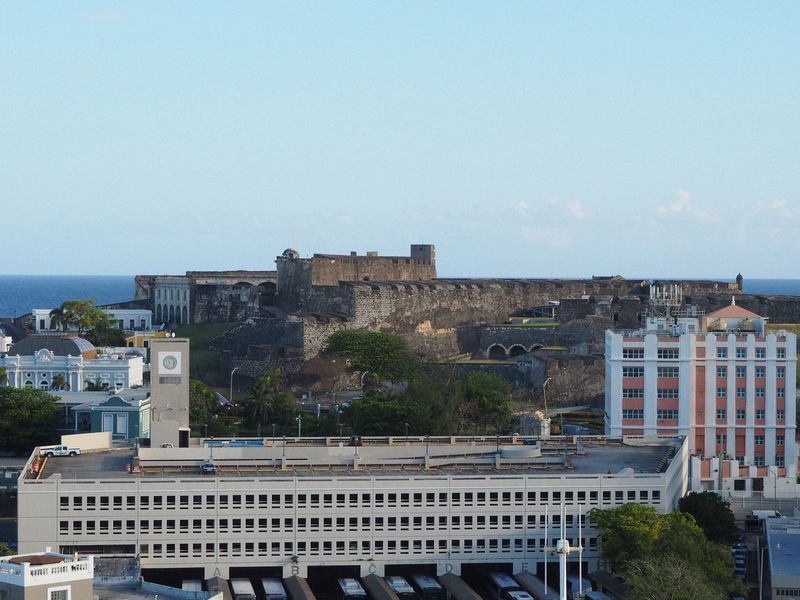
172,299
295,507
38,370
46,576
128,319
722,380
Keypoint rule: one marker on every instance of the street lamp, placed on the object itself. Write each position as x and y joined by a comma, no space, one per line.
544,394
299,420
230,397
205,430
406,424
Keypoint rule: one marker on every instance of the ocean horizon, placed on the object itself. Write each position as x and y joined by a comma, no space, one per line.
20,294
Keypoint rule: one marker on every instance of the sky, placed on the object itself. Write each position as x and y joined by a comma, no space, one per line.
524,139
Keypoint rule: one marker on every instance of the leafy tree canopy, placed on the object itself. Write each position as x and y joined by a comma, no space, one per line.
713,514
386,355
28,418
82,314
637,539
266,403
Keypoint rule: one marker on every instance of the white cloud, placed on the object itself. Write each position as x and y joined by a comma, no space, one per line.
682,207
777,208
575,208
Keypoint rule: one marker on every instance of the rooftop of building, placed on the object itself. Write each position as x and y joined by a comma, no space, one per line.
70,398
783,541
59,345
379,457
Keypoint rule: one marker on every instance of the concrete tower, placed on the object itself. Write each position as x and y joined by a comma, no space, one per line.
169,382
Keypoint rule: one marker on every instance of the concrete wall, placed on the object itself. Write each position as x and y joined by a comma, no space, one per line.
100,440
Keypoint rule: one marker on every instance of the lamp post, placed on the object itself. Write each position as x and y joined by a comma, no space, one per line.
230,397
299,420
544,394
205,430
406,424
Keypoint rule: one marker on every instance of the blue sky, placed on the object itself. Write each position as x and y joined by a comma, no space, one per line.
522,138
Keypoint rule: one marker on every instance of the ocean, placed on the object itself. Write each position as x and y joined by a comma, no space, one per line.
19,294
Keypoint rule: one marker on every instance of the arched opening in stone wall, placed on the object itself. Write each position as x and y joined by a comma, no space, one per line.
517,350
184,315
158,313
497,352
171,313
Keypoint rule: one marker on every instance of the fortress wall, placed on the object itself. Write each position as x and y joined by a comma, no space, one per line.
330,270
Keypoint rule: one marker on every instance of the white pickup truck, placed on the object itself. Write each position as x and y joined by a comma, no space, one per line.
60,451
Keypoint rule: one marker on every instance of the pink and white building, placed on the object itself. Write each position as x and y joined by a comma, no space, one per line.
720,379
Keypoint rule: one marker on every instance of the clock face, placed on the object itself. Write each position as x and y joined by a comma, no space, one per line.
169,363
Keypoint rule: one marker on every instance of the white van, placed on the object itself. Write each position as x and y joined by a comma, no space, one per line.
273,589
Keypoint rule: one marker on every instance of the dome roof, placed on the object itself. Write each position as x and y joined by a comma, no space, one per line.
59,345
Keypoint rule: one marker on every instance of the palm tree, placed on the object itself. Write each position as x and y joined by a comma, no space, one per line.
58,319
95,386
3,376
265,404
59,382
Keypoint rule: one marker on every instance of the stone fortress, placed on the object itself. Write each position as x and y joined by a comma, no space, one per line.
288,314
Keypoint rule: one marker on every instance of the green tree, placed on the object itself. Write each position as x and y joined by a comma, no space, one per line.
651,578
6,550
59,382
385,355
635,537
57,319
84,316
713,514
95,386
3,376
266,403
28,418
627,532
205,412
377,413
489,398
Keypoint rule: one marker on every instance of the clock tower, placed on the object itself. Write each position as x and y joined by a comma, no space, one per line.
169,396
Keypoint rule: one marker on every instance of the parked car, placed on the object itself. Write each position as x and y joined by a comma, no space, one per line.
60,451
208,468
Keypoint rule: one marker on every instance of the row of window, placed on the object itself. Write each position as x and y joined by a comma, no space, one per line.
289,525
722,392
390,500
741,414
758,440
722,352
673,372
354,547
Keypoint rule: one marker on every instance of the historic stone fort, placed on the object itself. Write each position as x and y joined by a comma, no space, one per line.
287,315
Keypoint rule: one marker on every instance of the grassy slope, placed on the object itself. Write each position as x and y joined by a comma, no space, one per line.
203,360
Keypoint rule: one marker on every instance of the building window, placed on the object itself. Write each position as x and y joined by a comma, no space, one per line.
780,415
722,371
722,439
759,440
760,372
758,461
760,413
667,393
632,413
668,372
780,372
781,352
722,353
633,393
635,353
759,392
741,352
668,353
780,392
740,414
760,353
721,413
741,372
58,594
666,414
633,371
741,392
779,461
736,483
779,440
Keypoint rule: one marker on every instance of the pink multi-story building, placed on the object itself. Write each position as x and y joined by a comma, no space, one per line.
720,379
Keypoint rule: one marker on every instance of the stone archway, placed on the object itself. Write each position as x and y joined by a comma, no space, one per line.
517,350
497,352
171,313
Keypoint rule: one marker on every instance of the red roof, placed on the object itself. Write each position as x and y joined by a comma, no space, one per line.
733,312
